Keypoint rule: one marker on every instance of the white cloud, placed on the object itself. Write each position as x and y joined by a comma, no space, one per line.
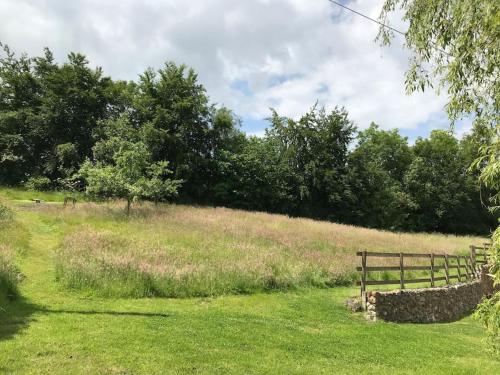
291,52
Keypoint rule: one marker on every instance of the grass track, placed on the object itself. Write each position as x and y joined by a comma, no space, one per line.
53,331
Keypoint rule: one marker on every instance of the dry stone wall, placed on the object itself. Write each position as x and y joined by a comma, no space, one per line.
429,305
487,283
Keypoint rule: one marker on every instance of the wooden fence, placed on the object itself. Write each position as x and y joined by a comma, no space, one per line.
480,252
456,267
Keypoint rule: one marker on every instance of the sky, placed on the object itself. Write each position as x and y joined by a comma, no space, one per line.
251,55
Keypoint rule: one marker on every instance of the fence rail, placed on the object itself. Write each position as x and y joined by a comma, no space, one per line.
463,267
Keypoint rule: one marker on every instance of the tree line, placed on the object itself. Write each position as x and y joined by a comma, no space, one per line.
160,138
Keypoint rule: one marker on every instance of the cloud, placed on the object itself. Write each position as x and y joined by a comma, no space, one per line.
250,54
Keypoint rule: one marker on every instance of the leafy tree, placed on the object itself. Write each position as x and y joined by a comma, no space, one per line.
314,149
442,191
173,109
74,99
55,116
122,168
377,167
456,47
253,178
19,96
47,114
489,164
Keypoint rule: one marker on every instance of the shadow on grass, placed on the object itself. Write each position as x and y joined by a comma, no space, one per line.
97,312
17,315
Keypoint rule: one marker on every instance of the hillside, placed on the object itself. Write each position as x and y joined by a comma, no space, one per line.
182,251
76,261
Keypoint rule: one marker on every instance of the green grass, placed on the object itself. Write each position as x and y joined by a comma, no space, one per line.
9,277
20,194
10,244
51,329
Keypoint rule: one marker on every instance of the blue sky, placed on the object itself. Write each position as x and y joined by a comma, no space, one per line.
250,54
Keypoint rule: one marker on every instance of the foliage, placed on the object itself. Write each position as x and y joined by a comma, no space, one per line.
252,178
38,183
123,169
377,167
488,162
489,310
441,189
53,117
313,152
47,114
457,44
5,213
173,108
9,275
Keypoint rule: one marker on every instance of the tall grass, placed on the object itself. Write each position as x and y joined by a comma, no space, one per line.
181,251
9,274
156,265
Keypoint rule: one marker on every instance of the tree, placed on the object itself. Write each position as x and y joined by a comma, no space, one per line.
456,46
19,96
47,114
314,150
172,107
122,168
377,167
442,191
253,178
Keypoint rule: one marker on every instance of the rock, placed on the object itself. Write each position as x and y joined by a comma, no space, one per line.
354,304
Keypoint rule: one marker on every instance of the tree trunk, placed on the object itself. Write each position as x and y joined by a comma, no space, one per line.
129,203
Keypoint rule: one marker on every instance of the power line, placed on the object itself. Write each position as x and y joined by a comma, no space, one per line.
434,44
368,18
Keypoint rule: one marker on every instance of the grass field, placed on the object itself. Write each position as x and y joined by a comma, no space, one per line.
96,325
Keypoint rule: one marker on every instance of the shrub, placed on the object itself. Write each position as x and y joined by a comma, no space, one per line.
488,311
39,183
5,213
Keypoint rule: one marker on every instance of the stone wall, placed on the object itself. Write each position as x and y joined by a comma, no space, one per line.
487,283
441,304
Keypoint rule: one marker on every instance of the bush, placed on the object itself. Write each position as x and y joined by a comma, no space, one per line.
5,213
39,183
488,313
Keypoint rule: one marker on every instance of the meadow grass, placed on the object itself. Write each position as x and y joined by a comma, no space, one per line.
22,194
9,275
185,251
9,243
50,329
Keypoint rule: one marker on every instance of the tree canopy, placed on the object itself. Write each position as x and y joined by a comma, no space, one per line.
160,138
456,48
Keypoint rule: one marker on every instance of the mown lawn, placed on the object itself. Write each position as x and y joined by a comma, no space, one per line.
51,329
